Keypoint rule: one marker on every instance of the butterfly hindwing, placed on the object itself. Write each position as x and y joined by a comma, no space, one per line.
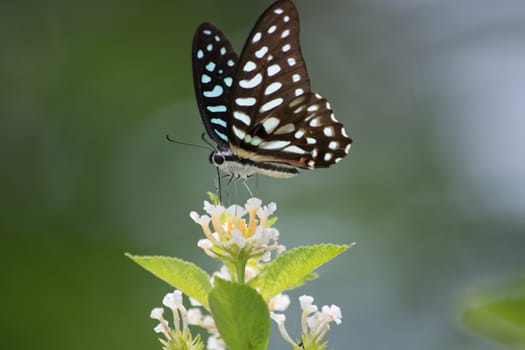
214,61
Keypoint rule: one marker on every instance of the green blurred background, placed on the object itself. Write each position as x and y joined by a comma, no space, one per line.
433,190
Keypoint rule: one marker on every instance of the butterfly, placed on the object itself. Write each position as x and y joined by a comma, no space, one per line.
258,108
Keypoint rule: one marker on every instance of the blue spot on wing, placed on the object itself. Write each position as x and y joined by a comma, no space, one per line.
210,66
215,109
221,135
218,122
205,79
216,92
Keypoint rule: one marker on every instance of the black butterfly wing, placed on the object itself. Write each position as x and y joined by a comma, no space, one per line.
275,116
214,61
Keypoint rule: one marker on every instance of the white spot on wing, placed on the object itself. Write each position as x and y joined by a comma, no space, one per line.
299,134
274,144
253,82
223,51
329,131
245,101
271,104
272,29
327,156
338,159
243,117
333,145
270,89
347,148
311,141
312,108
261,52
299,92
256,37
206,31
228,81
294,149
270,124
296,78
291,61
273,69
286,19
278,11
343,132
200,54
285,129
285,33
249,66
209,47
238,132
230,63
315,122
286,48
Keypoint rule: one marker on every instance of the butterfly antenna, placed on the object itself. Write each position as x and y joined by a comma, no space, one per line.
187,143
203,137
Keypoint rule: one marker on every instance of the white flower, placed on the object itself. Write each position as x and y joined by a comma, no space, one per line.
173,300
163,327
307,304
236,210
238,238
194,316
278,318
213,210
201,220
280,302
157,313
239,231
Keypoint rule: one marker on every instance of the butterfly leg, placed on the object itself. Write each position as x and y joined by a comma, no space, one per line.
248,188
218,185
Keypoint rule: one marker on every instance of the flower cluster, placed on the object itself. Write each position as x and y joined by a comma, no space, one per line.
178,337
314,323
236,235
243,239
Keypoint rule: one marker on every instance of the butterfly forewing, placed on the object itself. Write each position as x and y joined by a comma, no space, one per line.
271,71
214,61
275,116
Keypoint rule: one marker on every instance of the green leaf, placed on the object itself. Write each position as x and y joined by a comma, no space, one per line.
499,313
241,315
294,268
185,276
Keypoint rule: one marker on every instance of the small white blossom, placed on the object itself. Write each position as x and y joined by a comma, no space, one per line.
213,210
204,244
163,327
236,210
278,318
280,302
157,313
194,316
307,304
173,300
238,239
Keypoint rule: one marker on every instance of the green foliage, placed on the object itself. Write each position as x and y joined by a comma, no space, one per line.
185,276
294,268
241,315
499,313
